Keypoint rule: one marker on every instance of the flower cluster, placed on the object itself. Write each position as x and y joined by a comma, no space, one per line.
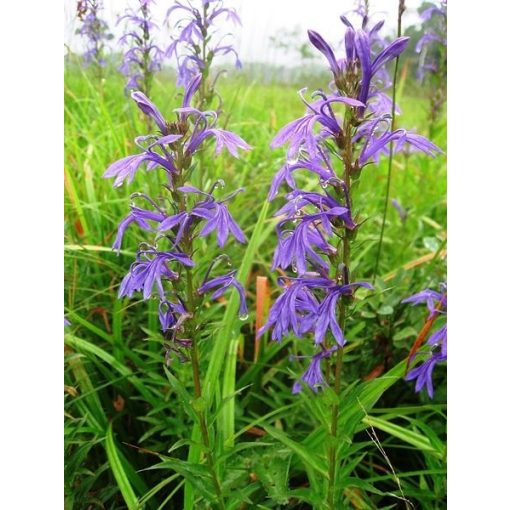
432,45
317,226
436,304
197,43
432,59
372,27
94,30
165,268
143,57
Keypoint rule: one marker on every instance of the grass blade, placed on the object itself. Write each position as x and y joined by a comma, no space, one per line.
118,471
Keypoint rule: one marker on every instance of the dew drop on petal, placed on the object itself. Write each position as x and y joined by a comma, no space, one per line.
243,317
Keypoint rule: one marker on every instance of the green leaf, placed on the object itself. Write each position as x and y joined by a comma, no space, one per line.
118,471
385,310
407,332
89,348
308,458
183,395
359,400
196,474
409,436
272,470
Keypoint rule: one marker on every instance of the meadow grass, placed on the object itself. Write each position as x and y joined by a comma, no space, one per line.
128,418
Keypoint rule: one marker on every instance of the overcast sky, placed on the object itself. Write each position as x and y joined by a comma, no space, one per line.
261,20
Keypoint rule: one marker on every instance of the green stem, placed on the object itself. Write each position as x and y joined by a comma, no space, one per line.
401,9
203,426
345,258
191,327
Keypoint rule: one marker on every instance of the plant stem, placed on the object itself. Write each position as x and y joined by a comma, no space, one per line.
203,426
192,306
346,250
401,9
198,388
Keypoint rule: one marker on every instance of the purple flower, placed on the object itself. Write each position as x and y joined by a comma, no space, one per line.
313,375
127,167
434,38
375,146
294,310
299,309
183,220
221,284
327,315
423,373
286,172
368,25
358,52
215,214
218,218
317,40
403,213
168,314
298,200
224,139
302,131
94,30
155,148
151,110
141,218
150,268
143,58
436,303
196,43
297,246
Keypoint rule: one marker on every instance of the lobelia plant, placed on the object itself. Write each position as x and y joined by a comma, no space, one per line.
95,32
197,44
436,304
348,127
167,267
143,57
377,43
431,48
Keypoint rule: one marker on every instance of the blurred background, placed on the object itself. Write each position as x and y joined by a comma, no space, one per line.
273,32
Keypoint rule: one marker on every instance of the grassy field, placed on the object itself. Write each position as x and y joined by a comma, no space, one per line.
128,424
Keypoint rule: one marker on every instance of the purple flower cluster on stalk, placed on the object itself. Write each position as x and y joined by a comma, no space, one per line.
436,303
197,42
431,48
143,57
432,44
377,43
316,227
165,269
94,30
